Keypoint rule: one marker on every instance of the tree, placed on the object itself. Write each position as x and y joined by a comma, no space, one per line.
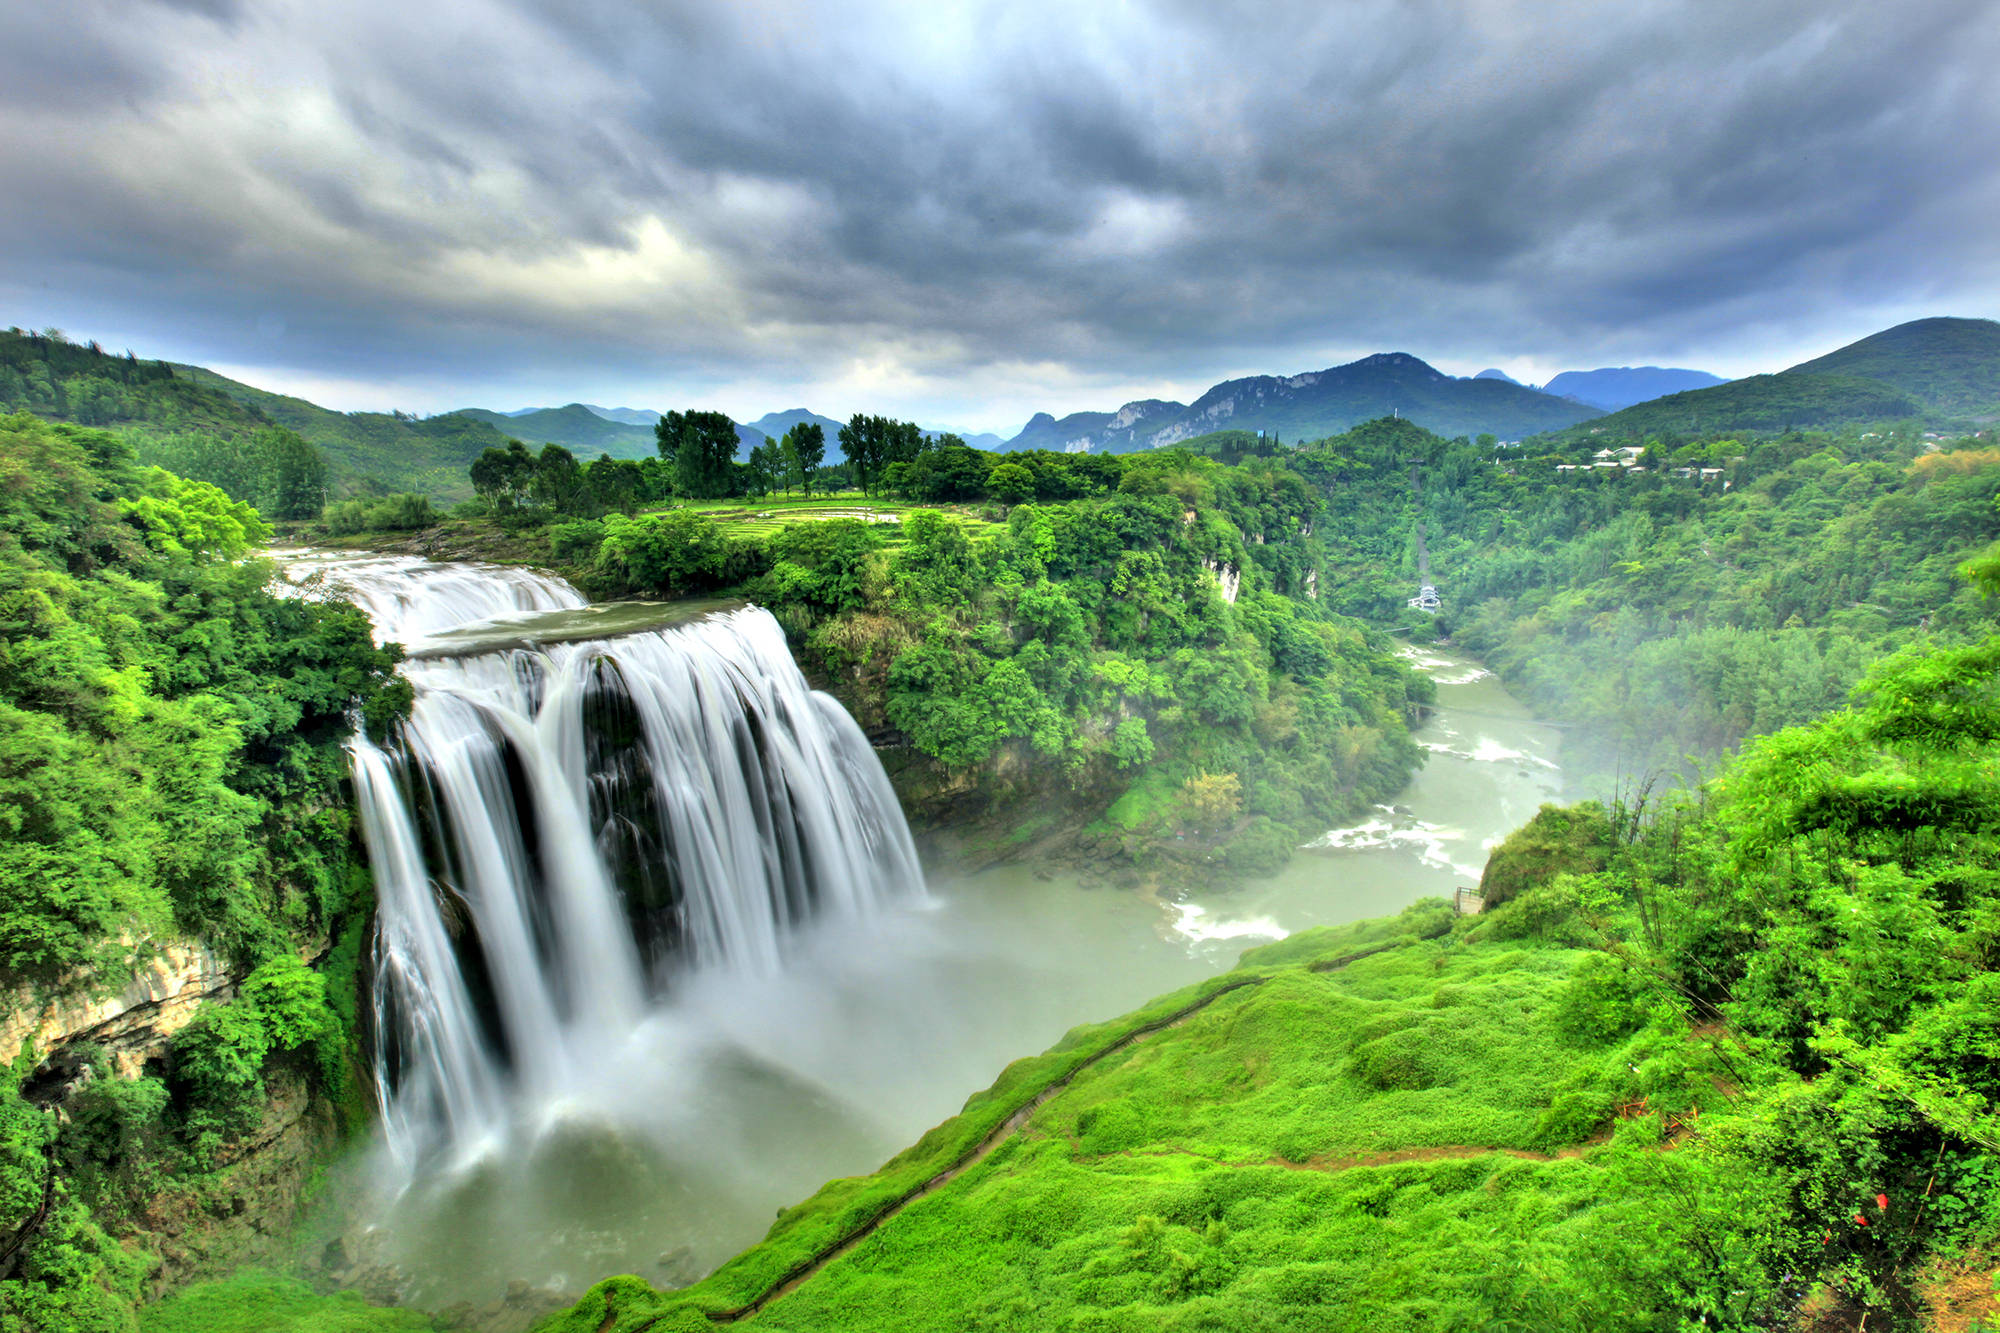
861,441
503,476
1011,483
677,552
764,470
805,450
558,481
701,446
614,484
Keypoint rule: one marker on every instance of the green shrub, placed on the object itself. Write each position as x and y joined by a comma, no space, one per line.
1262,848
1403,1060
576,543
344,518
399,513
1575,839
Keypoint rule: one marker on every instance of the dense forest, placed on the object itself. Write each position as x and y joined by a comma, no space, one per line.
170,769
1718,588
1145,630
284,455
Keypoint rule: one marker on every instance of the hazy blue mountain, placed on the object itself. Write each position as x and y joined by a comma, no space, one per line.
1314,405
986,440
1046,432
775,424
1949,366
1495,373
627,416
1614,387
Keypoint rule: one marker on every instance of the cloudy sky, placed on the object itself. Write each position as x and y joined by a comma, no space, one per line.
964,213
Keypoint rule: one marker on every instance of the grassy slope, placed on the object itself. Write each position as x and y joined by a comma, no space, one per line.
1949,366
1393,1133
429,456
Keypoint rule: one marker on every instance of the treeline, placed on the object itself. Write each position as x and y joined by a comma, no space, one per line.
1145,642
1733,586
170,768
696,461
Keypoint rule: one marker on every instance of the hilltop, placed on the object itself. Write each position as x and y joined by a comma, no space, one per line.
587,431
1315,404
1763,403
575,427
1948,366
166,409
1941,369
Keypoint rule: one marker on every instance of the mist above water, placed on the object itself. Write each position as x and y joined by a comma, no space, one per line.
670,1126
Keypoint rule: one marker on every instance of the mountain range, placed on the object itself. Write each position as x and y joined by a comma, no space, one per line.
1944,370
1316,404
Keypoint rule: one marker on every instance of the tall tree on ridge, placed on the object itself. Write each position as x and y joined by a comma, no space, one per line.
808,446
701,446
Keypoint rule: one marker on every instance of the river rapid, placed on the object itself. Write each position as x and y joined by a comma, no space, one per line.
745,1087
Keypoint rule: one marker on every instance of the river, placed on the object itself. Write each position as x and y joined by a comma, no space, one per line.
745,1087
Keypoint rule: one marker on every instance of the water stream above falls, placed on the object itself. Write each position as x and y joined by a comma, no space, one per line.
681,1087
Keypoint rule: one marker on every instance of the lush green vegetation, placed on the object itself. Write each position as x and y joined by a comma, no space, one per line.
1073,648
1745,1063
283,455
170,767
254,1301
1759,403
1951,366
1663,615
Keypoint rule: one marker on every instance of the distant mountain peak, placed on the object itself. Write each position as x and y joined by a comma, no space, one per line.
1495,373
1616,387
1312,405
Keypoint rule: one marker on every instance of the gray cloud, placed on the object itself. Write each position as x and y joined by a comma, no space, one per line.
935,207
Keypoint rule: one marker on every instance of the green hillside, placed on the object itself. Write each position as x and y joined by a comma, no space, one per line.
1760,403
372,452
575,427
1949,366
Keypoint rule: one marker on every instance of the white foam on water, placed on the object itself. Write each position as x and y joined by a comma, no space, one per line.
1193,923
1431,844
1486,750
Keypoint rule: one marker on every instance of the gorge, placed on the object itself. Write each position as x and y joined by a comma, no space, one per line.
654,955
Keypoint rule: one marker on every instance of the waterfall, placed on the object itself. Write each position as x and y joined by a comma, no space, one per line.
560,830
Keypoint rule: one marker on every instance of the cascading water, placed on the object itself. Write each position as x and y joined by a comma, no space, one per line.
558,831
596,837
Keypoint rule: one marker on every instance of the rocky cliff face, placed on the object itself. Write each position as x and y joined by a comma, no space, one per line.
133,1025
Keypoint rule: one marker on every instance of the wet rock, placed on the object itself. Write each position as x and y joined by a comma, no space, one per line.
464,1315
678,1267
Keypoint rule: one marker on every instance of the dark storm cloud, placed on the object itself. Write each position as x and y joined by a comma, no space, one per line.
904,194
